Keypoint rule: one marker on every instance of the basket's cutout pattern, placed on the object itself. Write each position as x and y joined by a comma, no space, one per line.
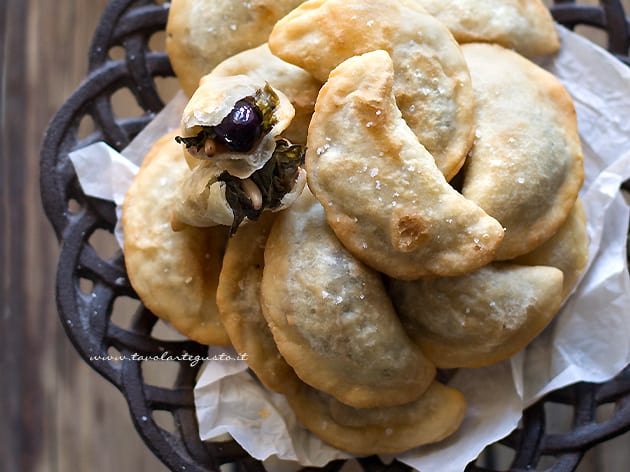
609,17
92,289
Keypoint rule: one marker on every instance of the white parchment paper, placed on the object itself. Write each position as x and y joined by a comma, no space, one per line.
104,173
588,341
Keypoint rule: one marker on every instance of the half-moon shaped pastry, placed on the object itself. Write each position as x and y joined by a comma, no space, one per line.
434,416
175,274
523,25
240,166
525,167
567,249
238,299
297,84
202,33
479,318
384,196
431,82
331,317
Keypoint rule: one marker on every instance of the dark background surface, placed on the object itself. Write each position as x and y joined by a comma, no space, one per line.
57,414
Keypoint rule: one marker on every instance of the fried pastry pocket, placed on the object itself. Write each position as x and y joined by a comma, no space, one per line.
175,274
525,167
434,416
331,317
431,80
480,318
196,28
240,165
525,26
383,195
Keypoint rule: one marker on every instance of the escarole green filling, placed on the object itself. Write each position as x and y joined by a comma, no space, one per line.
264,103
198,141
274,181
266,100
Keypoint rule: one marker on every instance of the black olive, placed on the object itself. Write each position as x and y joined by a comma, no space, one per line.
240,130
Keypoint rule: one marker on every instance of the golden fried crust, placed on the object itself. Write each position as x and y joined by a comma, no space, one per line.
523,25
174,274
526,167
434,416
480,318
331,318
567,249
431,82
297,84
383,195
238,298
202,33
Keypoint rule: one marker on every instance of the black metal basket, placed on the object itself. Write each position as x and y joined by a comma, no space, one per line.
89,285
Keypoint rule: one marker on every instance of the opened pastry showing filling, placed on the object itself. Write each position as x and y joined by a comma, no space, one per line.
242,153
240,130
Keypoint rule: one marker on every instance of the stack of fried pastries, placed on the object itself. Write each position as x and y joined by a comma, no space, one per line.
362,192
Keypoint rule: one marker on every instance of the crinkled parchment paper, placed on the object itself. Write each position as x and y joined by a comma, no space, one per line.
588,341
